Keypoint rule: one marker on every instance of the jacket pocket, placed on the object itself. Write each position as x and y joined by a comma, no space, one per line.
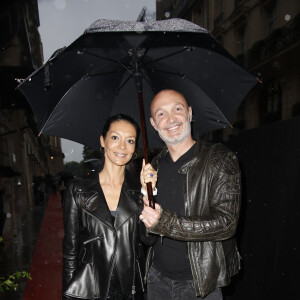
86,252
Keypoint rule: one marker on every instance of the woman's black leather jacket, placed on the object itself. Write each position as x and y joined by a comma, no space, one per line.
93,245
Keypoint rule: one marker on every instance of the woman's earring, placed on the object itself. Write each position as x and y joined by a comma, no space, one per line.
101,149
134,157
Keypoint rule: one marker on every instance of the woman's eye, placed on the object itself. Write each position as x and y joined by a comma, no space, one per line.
131,141
114,137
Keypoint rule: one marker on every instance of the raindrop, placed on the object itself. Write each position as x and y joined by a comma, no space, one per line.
182,76
287,17
139,27
167,14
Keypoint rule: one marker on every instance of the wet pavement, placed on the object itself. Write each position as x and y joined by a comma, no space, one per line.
16,254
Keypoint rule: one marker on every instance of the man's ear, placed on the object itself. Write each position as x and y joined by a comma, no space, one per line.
190,114
153,123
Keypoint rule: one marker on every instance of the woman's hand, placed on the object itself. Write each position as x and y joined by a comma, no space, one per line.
150,216
148,174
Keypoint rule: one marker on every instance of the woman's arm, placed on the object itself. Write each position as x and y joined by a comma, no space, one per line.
71,238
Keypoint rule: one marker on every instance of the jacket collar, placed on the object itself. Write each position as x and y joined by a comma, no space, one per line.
95,204
184,168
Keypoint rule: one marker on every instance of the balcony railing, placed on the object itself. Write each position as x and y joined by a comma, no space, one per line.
277,41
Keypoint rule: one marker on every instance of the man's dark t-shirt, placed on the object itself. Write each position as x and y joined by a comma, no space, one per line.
171,256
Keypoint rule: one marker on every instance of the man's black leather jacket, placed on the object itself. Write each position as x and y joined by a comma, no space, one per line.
93,244
212,204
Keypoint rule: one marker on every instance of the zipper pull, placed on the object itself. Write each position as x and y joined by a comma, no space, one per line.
161,238
133,290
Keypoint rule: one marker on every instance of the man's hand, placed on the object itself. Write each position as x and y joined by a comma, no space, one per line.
150,216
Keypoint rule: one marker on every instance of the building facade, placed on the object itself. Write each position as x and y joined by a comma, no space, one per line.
263,36
26,160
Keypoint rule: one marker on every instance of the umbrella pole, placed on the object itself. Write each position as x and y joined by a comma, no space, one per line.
143,129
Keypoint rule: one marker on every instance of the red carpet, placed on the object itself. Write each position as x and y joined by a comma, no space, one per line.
46,267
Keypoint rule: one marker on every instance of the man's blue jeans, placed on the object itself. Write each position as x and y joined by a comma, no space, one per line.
162,288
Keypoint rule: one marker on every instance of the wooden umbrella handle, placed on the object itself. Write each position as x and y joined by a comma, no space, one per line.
143,129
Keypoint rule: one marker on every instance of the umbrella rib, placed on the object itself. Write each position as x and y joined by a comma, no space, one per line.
186,48
106,58
223,115
166,72
98,74
121,86
102,57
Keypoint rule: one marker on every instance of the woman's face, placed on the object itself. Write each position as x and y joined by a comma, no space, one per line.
119,143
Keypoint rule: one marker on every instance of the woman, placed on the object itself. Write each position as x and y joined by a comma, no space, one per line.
102,247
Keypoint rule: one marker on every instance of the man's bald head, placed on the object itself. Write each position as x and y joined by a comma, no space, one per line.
166,96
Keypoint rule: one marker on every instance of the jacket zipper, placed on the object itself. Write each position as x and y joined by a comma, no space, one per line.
133,290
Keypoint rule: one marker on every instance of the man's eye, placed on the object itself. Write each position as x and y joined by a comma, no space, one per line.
178,108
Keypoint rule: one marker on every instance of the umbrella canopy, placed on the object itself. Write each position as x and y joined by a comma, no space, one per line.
99,74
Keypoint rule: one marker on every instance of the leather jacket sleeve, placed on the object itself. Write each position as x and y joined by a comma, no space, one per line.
71,238
220,219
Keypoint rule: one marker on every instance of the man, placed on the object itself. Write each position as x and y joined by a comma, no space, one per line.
197,209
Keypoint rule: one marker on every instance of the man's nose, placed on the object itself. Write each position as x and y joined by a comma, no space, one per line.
171,117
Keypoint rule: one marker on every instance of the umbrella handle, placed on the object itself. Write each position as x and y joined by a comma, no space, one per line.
143,129
150,195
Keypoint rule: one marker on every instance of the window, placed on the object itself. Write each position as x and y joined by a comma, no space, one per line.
241,39
271,102
271,17
207,14
196,17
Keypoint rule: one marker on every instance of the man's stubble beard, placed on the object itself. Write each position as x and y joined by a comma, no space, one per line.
179,139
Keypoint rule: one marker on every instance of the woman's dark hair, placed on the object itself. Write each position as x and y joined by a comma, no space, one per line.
120,117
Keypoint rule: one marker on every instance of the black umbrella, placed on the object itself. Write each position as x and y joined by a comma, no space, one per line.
102,72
